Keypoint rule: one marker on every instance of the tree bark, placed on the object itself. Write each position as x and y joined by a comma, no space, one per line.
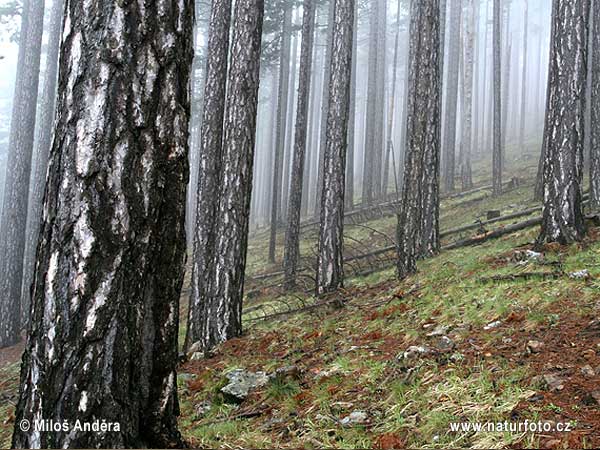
595,109
452,95
292,238
43,142
103,335
497,125
563,220
349,196
211,155
226,285
13,222
330,270
423,130
282,96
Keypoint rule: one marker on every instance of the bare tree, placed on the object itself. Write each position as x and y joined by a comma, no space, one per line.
43,142
226,285
281,123
595,107
210,166
469,44
452,95
13,222
497,125
292,238
349,196
423,130
103,337
330,270
524,78
563,219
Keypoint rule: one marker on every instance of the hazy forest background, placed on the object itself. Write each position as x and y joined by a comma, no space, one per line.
300,223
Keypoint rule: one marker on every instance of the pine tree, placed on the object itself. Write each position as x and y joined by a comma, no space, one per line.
110,263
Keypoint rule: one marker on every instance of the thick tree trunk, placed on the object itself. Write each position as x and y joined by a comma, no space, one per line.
595,109
13,222
292,238
226,285
563,219
210,165
497,125
524,86
452,95
330,270
103,336
41,150
281,123
469,44
423,131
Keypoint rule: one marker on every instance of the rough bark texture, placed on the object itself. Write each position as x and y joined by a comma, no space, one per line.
210,166
423,130
13,222
292,237
595,109
282,101
452,95
564,134
224,306
330,270
110,262
497,110
467,128
41,150
324,105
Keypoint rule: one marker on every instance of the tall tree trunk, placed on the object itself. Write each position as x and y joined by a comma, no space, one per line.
313,120
563,220
210,165
289,143
391,111
325,105
349,196
497,125
226,285
423,130
595,109
380,142
369,158
103,336
330,270
43,142
281,123
469,44
524,86
477,97
292,238
452,95
13,222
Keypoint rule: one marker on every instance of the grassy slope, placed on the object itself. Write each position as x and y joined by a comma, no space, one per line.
348,357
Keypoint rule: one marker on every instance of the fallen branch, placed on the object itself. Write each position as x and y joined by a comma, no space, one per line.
521,276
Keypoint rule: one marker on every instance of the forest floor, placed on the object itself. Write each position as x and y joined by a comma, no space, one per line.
486,333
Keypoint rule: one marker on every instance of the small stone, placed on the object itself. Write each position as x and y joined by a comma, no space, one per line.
440,330
415,351
551,443
288,371
355,418
587,371
202,409
242,382
446,344
492,325
589,354
580,275
506,340
554,382
534,346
